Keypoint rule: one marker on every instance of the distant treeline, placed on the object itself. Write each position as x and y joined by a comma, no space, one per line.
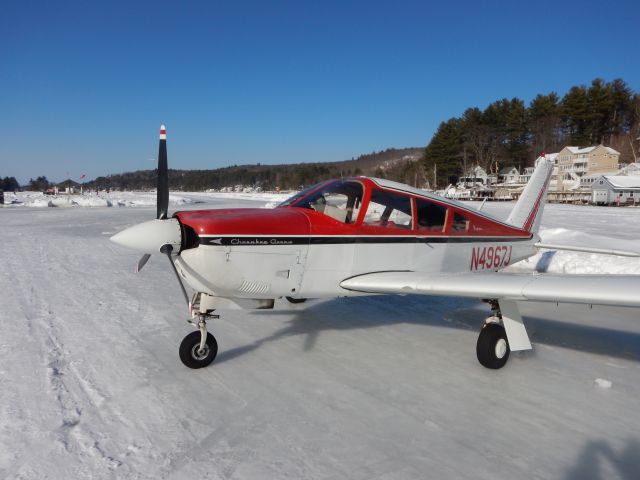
8,184
391,163
509,133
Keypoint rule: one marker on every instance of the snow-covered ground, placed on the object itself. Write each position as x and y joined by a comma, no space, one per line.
371,387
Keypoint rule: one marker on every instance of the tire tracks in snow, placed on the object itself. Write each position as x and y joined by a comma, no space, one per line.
108,416
69,390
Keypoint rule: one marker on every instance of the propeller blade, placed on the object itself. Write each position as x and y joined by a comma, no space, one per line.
162,201
167,249
142,262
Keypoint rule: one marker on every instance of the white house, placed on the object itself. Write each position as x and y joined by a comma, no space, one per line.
509,175
630,169
526,175
473,176
616,190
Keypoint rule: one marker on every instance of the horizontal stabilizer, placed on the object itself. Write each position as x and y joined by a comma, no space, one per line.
571,248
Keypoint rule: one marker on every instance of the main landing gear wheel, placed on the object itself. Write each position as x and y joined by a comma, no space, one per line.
492,348
190,352
295,300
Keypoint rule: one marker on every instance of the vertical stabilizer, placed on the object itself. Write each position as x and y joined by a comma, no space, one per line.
528,210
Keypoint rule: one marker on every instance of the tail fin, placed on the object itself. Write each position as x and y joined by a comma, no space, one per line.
527,213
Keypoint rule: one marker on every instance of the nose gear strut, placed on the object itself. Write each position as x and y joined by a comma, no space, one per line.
198,349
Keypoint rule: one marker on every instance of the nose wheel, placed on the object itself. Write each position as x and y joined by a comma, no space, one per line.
199,349
193,355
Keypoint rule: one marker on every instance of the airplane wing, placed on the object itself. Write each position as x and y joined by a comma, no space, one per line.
617,290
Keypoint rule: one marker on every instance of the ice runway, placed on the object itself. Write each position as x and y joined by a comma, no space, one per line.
358,388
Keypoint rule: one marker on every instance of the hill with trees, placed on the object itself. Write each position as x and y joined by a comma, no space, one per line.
394,163
509,133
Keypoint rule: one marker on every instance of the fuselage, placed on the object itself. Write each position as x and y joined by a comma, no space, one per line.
308,245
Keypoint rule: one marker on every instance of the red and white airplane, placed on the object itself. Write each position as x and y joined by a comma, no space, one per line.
361,235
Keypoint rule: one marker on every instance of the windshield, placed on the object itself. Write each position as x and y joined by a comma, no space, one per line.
340,200
299,195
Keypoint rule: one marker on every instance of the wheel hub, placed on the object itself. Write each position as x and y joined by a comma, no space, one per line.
199,354
501,348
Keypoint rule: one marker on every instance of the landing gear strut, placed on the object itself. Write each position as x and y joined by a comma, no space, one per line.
199,349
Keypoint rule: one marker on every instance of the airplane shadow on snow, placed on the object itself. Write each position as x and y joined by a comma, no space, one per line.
599,453
355,313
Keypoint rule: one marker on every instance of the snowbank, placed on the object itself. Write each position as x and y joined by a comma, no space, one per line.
134,199
102,199
558,261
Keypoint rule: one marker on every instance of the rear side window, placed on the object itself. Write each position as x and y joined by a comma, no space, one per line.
431,216
389,209
460,223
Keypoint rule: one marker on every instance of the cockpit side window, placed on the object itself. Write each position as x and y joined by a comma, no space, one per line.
338,200
431,216
299,195
389,209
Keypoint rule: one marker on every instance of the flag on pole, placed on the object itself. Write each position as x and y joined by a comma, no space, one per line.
82,176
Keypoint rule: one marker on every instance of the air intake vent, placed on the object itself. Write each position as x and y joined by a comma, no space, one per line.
254,287
190,238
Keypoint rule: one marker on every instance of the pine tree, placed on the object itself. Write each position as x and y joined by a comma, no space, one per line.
445,151
575,115
9,184
600,104
544,122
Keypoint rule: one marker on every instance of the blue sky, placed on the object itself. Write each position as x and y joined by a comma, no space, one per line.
84,85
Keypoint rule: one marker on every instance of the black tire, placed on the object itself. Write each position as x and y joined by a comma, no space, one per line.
490,348
189,350
295,300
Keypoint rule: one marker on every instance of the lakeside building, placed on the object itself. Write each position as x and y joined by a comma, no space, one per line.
576,173
574,162
475,176
616,190
509,176
577,169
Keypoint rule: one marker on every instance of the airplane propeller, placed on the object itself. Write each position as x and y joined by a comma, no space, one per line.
143,261
163,234
162,195
162,190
